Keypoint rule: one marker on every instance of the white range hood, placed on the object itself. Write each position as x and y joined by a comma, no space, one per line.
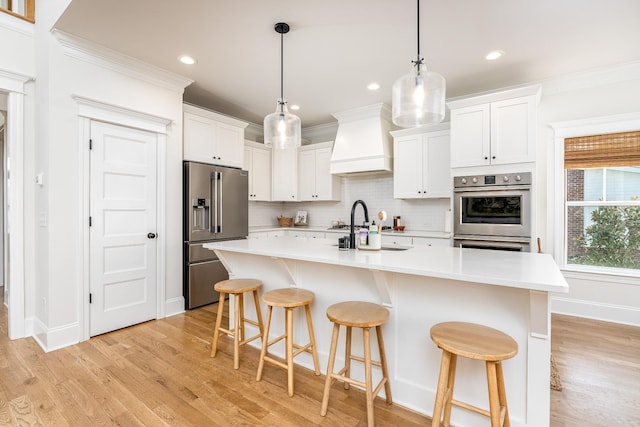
363,142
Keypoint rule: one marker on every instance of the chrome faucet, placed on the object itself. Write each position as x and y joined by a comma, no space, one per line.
352,234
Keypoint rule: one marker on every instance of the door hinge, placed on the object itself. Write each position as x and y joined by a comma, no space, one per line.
90,144
90,298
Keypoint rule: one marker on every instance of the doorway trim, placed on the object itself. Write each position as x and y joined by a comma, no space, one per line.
13,84
88,110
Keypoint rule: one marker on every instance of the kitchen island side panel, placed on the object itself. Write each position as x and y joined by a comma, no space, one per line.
417,303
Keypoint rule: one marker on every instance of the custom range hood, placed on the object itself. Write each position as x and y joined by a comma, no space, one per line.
363,142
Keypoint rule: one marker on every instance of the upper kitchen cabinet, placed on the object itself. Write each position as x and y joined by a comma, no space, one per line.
284,175
213,138
494,129
316,181
421,163
257,160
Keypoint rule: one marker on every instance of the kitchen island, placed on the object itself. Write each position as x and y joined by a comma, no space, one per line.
421,286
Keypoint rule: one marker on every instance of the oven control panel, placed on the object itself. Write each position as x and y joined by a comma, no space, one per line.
523,178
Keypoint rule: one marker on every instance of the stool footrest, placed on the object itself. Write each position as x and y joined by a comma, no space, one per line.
275,362
255,337
301,349
361,359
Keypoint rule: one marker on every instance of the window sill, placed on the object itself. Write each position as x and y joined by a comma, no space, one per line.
629,277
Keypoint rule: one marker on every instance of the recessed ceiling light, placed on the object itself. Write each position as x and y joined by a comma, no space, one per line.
373,86
186,59
493,55
295,107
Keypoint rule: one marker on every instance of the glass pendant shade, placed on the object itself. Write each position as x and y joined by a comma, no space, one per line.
418,98
282,129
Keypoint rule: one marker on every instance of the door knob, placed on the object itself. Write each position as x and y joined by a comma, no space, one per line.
151,235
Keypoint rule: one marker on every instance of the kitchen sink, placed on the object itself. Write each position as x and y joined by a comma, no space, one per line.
388,247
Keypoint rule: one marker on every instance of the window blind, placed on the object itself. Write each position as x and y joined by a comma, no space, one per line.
597,151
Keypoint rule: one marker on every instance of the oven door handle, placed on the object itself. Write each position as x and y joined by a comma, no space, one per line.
492,189
519,246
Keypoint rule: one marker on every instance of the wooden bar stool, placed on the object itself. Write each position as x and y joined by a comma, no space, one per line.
475,342
288,298
363,315
237,288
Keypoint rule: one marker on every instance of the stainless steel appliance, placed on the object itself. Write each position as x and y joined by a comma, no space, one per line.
492,211
215,208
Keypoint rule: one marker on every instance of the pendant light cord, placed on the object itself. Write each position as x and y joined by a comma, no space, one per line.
418,60
281,71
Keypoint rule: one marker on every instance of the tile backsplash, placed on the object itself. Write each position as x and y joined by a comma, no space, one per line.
375,190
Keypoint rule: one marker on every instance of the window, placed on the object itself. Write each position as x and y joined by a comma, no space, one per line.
602,201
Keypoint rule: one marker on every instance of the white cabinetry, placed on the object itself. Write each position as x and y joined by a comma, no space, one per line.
421,163
213,138
431,241
494,129
284,175
257,160
315,180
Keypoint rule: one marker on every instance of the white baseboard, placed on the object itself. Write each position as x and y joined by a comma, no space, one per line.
596,310
174,306
50,339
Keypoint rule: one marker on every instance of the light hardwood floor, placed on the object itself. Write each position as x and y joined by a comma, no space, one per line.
159,373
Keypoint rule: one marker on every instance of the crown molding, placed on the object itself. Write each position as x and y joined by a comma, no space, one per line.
101,56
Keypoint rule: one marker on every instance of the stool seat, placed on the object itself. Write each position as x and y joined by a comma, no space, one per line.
288,297
474,341
358,314
237,286
363,315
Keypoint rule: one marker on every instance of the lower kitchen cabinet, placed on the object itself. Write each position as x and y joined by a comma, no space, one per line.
431,241
396,240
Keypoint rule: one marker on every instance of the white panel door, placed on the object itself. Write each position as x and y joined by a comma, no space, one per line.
123,225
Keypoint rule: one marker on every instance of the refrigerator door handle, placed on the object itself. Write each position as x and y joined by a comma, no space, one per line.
220,202
214,213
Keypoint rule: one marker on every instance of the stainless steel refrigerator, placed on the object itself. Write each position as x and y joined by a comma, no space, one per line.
215,208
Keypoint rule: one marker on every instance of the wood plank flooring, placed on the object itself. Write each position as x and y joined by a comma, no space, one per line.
159,373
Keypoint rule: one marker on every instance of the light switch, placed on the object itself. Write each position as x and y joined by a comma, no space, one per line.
42,218
40,179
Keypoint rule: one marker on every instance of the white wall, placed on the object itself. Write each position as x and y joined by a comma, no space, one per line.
56,303
586,95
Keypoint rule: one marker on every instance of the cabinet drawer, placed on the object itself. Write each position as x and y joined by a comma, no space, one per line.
396,240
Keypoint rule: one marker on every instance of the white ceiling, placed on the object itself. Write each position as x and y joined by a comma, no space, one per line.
336,47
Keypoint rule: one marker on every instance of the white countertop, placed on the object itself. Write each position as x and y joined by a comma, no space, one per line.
409,233
522,270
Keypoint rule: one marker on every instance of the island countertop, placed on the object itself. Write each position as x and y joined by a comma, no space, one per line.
522,270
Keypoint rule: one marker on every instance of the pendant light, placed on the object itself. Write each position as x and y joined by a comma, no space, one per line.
282,129
418,98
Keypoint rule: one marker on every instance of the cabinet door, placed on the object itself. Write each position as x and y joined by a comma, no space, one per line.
436,172
260,174
407,167
327,185
199,138
470,138
431,241
285,175
513,131
307,167
229,145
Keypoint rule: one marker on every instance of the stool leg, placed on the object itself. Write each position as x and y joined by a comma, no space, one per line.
289,343
265,344
347,358
450,384
383,363
237,322
502,394
216,333
312,339
368,381
241,329
256,301
332,359
442,388
494,401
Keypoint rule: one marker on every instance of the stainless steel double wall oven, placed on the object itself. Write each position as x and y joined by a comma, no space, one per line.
492,211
